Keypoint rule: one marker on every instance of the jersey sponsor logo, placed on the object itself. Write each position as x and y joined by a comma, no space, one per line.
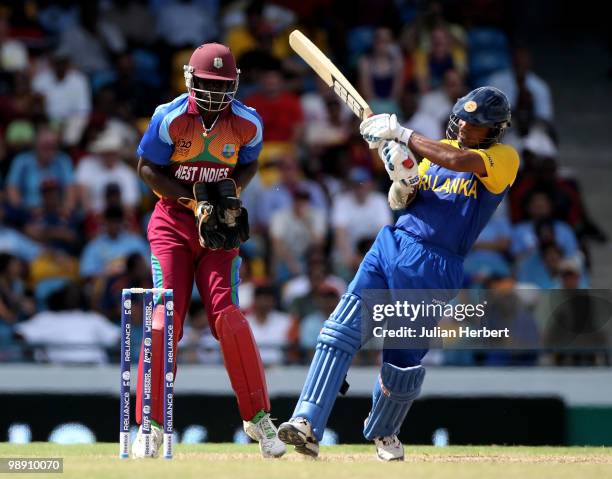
229,150
467,187
199,173
182,146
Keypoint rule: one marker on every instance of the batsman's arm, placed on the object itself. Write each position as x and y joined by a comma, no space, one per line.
447,156
157,178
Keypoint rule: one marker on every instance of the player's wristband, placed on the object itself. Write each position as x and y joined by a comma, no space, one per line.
404,134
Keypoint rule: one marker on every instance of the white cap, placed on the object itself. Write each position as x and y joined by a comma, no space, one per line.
109,141
539,143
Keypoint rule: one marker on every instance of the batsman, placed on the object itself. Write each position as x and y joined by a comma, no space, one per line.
449,197
198,152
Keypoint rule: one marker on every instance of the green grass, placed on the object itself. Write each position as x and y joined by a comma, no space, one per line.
338,462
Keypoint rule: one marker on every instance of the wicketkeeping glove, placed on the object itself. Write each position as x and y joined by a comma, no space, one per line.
209,232
233,217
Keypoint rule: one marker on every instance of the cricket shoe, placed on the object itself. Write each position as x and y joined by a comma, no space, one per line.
389,448
156,440
264,431
298,432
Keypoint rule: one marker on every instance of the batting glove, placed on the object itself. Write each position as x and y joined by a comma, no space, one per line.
400,162
378,128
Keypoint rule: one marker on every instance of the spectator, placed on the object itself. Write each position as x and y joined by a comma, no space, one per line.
136,273
521,85
505,309
293,230
297,293
280,195
67,97
31,168
15,305
184,23
110,114
325,301
16,243
134,19
564,192
570,274
67,333
136,92
541,268
525,234
280,110
357,214
490,254
416,119
50,226
198,345
327,120
20,108
105,167
270,327
577,323
104,254
381,73
255,33
432,64
437,104
13,53
246,291
89,43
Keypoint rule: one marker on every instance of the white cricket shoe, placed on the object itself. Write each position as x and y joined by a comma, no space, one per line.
389,448
264,431
156,440
298,432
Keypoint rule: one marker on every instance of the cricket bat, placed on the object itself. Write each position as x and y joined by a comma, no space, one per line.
328,72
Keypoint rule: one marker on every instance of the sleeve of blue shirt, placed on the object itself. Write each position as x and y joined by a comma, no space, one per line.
566,238
141,246
91,262
521,235
153,147
20,245
67,171
16,171
250,152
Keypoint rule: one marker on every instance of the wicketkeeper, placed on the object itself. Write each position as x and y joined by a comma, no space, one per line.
197,154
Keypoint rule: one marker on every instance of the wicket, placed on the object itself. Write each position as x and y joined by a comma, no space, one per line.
147,351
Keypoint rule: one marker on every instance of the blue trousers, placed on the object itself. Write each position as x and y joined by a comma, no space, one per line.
399,261
396,261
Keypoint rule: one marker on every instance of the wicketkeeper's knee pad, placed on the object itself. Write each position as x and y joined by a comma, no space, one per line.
242,362
396,390
337,343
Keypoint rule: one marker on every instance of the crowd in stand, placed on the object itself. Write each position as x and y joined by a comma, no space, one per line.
79,81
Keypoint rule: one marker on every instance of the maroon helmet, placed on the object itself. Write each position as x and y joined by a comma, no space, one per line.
212,77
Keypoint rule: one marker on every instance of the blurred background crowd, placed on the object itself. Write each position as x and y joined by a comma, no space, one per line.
80,80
